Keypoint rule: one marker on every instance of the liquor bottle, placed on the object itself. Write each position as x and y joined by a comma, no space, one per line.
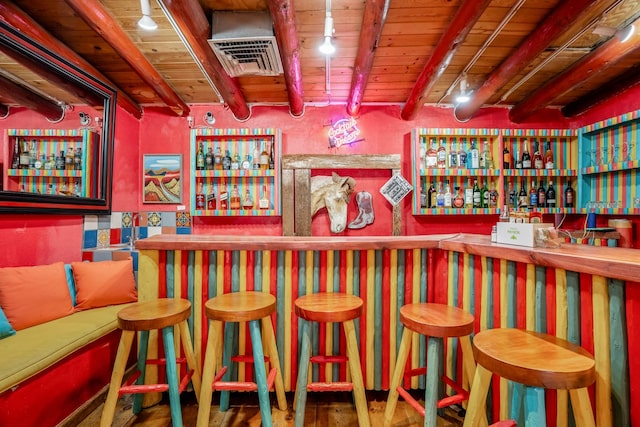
272,160
537,157
256,156
477,196
15,161
458,200
506,158
448,197
493,196
475,155
423,195
542,196
217,159
526,157
517,160
453,156
226,161
246,163
68,159
211,198
263,202
422,152
533,196
234,200
488,157
484,195
431,196
522,197
569,196
235,162
39,164
468,196
551,196
77,159
208,159
440,196
24,156
33,155
442,155
432,155
200,198
264,159
548,157
59,161
462,155
199,158
223,197
513,197
247,202
50,164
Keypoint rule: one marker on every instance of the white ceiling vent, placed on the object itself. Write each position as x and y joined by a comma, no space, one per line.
245,44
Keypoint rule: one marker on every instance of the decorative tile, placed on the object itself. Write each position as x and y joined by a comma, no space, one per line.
90,239
183,219
183,230
104,238
154,219
126,219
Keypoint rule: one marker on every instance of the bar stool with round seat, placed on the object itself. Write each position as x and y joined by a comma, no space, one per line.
160,314
435,321
330,308
242,307
534,360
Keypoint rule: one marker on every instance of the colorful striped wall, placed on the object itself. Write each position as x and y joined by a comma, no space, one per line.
592,311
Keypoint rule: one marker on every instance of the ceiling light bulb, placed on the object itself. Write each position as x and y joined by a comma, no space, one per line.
462,98
327,47
626,33
146,23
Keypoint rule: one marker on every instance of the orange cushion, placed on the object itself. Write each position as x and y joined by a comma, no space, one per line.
33,295
103,283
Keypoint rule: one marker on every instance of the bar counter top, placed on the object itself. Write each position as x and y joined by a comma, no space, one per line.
616,263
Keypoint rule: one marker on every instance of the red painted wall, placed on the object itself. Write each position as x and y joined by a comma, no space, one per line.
60,237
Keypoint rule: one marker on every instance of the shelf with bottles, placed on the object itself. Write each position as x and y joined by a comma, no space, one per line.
235,164
52,161
539,152
549,195
610,166
456,195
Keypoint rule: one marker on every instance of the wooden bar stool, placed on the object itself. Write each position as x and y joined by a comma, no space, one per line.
436,321
162,314
242,307
533,360
330,308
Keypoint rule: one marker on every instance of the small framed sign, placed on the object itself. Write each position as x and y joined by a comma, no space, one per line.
396,189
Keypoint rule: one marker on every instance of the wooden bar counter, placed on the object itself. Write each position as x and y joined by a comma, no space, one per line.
587,295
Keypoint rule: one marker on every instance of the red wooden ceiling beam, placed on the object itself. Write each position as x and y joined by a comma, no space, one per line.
191,21
588,66
22,96
553,26
464,19
101,21
375,14
628,80
18,19
284,22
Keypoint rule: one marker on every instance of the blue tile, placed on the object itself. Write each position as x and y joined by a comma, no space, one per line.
183,230
143,232
126,235
90,239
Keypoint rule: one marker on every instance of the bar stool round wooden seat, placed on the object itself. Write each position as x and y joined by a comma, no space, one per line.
161,314
232,308
330,308
534,360
435,321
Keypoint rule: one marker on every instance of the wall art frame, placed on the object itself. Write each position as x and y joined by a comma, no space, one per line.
162,178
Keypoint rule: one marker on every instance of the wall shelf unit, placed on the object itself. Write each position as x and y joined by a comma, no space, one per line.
252,172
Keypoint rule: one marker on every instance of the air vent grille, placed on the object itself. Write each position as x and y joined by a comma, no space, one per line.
245,44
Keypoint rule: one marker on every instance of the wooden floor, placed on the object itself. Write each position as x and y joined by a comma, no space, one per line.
323,410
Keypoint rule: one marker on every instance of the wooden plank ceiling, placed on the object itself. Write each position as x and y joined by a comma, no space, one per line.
514,53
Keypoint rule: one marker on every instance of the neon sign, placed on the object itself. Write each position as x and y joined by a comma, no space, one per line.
344,132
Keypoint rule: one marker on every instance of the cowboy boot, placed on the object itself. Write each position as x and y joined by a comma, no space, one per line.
365,216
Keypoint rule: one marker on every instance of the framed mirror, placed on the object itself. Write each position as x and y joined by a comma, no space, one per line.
52,164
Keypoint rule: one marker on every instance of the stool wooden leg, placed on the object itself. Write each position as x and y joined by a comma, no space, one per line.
435,347
187,345
172,376
303,374
478,397
353,357
396,379
213,343
260,372
119,366
582,407
230,348
142,368
274,357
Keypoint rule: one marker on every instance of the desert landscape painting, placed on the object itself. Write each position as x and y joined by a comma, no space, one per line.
162,179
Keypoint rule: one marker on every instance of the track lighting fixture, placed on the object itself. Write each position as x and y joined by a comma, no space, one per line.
146,22
623,34
463,96
327,47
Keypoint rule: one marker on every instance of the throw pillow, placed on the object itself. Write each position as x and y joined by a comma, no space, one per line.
33,295
6,330
103,283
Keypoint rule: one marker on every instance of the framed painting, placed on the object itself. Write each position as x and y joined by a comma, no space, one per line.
162,178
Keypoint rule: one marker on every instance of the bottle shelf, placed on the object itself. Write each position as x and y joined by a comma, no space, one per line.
234,212
459,211
45,173
539,172
241,173
460,172
612,167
